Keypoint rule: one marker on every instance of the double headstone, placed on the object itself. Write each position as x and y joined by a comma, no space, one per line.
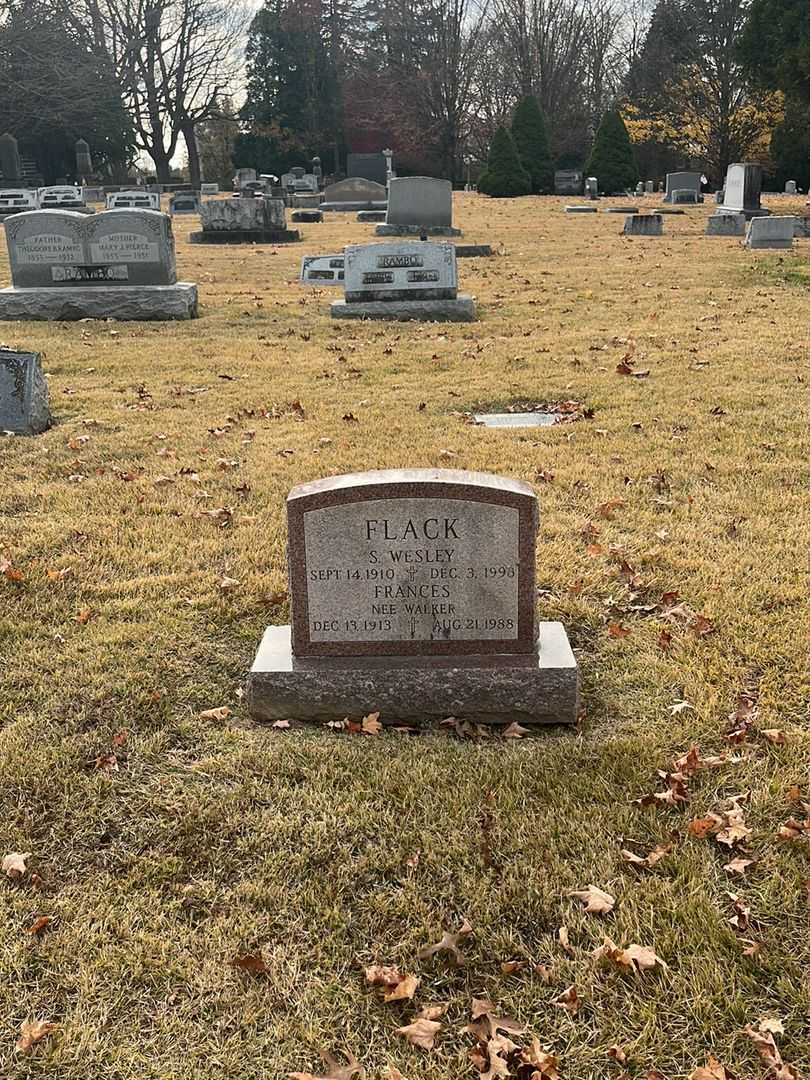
742,190
119,264
419,206
256,220
139,199
17,200
23,393
683,181
355,194
413,595
403,281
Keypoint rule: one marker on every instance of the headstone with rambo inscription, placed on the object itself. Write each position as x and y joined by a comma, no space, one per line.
412,594
403,281
119,264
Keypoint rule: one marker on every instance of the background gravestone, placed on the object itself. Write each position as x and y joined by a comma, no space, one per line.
10,161
84,163
355,194
367,167
770,232
743,189
133,200
246,220
725,225
682,181
417,205
643,225
23,393
413,593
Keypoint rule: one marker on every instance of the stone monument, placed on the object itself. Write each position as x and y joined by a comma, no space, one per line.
17,200
592,187
372,167
184,202
137,199
320,270
567,182
791,187
23,393
413,595
246,220
683,181
770,232
63,197
84,162
10,161
418,206
643,225
119,264
725,225
742,191
402,281
354,194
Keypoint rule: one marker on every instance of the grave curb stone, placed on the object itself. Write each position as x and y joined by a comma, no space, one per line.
461,309
157,303
31,391
417,230
495,689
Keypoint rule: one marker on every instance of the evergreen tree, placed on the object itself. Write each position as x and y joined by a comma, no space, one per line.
612,160
504,176
531,139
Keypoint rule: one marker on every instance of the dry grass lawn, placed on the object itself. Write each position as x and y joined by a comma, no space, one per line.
325,852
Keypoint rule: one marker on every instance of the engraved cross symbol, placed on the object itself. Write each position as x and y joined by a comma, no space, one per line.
413,627
411,573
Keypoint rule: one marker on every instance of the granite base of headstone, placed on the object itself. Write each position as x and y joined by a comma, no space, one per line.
413,595
410,280
23,394
682,196
725,225
306,217
643,225
246,220
369,217
119,264
770,232
473,251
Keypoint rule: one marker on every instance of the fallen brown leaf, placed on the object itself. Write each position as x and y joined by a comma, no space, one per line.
569,1000
638,958
370,725
770,1054
421,1033
395,985
222,713
596,901
32,1032
775,736
449,943
617,1053
545,1063
514,731
253,963
562,937
336,1070
38,925
738,866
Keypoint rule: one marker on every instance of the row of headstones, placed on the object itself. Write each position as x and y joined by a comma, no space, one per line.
759,232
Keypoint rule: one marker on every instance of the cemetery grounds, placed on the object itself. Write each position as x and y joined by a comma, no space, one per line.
216,889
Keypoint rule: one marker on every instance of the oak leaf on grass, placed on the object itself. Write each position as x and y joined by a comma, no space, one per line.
32,1032
395,985
449,943
637,958
222,713
596,900
253,963
545,1063
421,1033
767,1049
370,725
569,1000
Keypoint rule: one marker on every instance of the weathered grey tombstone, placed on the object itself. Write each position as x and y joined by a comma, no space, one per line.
719,196
355,194
10,160
116,265
801,226
322,270
303,217
743,189
184,202
412,594
639,188
643,225
61,197
680,181
567,182
23,393
367,167
770,232
580,209
403,281
684,195
93,194
791,187
649,187
259,220
242,177
84,163
17,201
725,225
592,187
371,216
137,199
209,189
419,206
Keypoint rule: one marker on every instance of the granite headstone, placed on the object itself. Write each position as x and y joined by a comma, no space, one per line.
413,594
23,393
419,205
743,189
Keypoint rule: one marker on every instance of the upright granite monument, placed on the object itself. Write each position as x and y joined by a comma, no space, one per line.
246,220
119,264
419,206
683,181
408,280
133,199
742,191
413,595
23,393
354,194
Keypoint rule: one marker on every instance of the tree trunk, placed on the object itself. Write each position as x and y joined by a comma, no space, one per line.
194,166
163,169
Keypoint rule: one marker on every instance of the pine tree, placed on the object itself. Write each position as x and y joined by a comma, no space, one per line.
612,160
531,139
504,176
